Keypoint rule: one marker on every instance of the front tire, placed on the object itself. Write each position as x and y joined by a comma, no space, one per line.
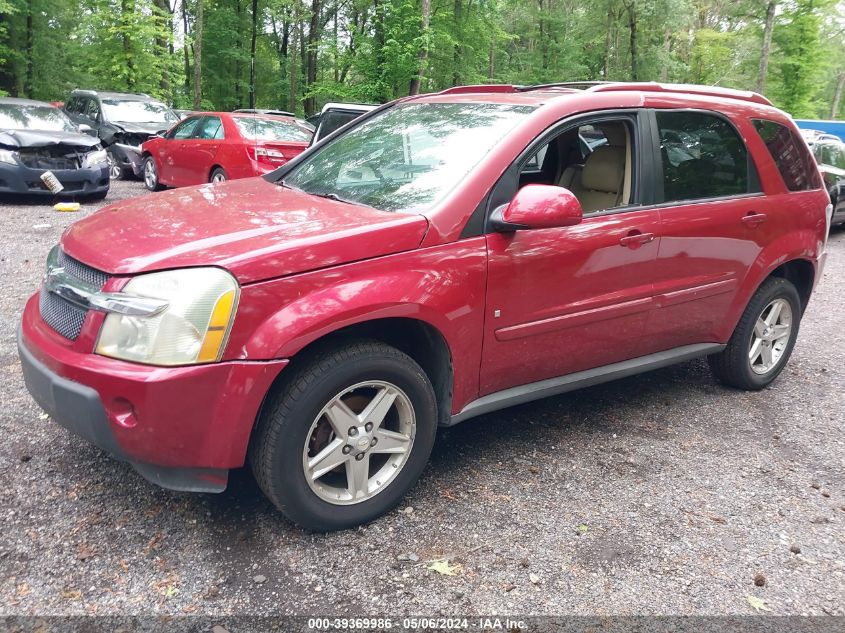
151,174
116,172
346,436
763,339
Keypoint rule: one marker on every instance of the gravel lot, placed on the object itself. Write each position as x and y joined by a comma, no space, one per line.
660,494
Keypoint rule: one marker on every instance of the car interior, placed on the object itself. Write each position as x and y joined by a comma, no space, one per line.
592,160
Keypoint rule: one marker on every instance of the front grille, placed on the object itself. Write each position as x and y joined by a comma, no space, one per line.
60,315
57,157
63,317
82,271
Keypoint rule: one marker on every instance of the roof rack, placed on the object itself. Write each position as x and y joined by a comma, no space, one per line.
459,90
706,91
575,85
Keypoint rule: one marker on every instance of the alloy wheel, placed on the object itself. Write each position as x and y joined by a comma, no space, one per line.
150,175
115,170
772,332
218,177
359,442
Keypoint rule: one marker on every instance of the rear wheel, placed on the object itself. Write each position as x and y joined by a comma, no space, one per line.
764,338
346,436
218,174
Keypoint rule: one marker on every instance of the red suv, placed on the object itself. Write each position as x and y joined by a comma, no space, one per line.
443,256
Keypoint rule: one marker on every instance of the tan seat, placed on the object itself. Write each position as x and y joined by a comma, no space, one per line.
602,179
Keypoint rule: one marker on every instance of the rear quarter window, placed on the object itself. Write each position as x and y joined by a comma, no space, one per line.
791,155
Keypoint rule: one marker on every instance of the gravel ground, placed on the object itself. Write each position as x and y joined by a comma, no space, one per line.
660,494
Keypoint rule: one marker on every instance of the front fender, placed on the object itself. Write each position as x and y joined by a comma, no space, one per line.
442,286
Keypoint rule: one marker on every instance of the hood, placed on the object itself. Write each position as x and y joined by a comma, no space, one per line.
254,228
45,138
142,128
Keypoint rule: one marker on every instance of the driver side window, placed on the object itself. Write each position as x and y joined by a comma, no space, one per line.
185,129
592,160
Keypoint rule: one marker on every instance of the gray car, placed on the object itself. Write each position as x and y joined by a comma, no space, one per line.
36,137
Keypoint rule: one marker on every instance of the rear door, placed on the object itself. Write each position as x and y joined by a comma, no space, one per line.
715,222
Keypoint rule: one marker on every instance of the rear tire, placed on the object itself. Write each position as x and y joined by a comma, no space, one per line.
763,339
218,174
306,456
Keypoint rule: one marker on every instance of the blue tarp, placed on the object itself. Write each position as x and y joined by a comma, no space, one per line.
831,127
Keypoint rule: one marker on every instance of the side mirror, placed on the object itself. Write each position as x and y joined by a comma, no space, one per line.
538,207
85,129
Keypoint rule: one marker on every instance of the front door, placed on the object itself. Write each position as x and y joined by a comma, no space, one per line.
199,151
567,299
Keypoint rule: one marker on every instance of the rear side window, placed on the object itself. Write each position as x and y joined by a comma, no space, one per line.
790,153
703,157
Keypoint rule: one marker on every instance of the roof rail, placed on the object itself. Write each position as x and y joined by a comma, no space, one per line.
706,91
459,90
576,85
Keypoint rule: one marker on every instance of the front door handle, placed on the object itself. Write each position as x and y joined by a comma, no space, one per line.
753,219
635,239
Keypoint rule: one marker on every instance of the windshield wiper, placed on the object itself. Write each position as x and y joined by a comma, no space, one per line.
327,195
332,196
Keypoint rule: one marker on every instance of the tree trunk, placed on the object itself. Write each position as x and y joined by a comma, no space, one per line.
311,55
293,72
608,41
767,46
252,54
198,57
163,42
457,52
667,51
837,94
422,55
631,8
29,81
185,47
127,10
240,46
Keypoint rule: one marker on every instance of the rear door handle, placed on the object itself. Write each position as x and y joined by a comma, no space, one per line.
635,239
753,219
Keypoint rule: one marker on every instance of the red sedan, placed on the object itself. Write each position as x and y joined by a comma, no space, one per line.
218,146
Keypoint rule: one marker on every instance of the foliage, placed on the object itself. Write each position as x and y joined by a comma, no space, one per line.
308,52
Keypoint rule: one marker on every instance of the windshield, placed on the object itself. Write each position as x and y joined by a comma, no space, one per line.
34,117
409,157
271,129
138,111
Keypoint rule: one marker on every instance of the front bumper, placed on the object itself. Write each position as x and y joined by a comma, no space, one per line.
182,428
128,157
20,179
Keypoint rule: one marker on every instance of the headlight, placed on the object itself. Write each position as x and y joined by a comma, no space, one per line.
96,158
192,329
8,156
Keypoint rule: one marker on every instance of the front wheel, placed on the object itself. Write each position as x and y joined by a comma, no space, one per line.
346,436
116,172
764,338
151,175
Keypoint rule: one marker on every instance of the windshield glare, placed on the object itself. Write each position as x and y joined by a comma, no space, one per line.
27,117
409,157
271,129
138,111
